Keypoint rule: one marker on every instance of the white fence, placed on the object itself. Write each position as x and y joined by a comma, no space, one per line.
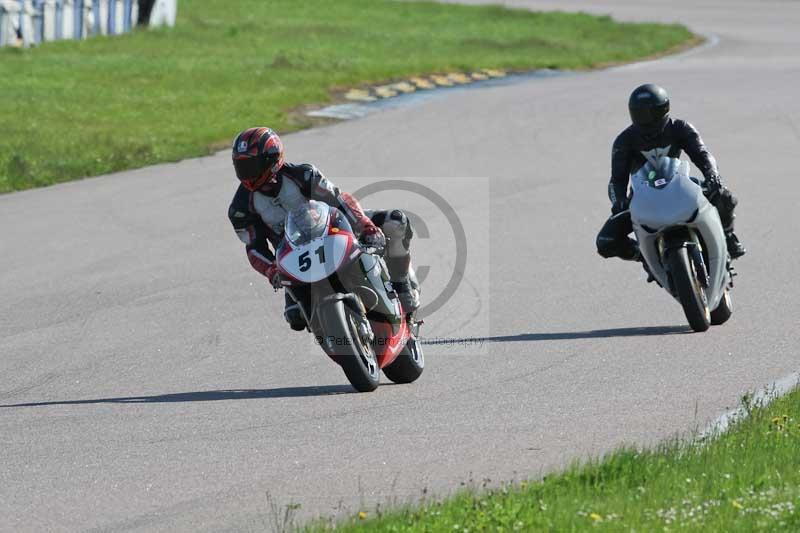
29,22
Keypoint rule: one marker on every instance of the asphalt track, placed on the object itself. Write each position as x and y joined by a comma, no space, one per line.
148,383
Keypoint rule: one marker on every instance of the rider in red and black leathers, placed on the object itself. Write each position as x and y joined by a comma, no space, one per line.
653,133
271,187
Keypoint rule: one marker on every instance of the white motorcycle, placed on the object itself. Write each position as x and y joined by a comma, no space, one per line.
682,241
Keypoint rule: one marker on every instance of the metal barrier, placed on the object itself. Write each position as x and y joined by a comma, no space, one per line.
30,22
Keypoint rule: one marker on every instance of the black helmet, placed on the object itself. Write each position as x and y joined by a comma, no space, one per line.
649,107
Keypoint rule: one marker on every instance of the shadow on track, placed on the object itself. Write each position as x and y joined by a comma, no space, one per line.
570,335
208,396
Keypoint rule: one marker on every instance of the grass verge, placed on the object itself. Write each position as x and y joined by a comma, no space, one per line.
80,108
747,479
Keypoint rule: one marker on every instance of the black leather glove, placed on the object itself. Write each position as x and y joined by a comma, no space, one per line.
273,276
618,194
714,187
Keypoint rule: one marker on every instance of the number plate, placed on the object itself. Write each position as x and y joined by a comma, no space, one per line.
317,259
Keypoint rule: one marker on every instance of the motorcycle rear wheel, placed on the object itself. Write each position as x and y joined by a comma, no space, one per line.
690,292
724,310
408,365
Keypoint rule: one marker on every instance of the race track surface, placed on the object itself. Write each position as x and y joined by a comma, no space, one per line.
148,382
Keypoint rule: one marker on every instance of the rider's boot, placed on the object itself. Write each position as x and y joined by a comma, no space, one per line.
726,202
397,228
404,282
735,248
628,250
293,316
408,292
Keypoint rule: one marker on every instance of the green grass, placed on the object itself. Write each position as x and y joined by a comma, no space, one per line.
79,108
747,479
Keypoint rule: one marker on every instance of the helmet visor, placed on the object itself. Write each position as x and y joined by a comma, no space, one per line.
251,172
648,115
249,168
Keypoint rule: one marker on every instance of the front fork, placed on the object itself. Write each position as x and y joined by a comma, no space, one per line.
364,327
300,305
696,255
694,249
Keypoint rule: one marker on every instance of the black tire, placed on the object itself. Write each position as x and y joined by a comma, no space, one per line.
356,357
724,310
690,292
408,365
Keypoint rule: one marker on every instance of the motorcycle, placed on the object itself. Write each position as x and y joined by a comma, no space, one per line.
344,294
682,241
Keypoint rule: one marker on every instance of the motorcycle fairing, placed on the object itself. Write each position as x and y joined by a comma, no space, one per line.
387,344
664,195
679,203
315,260
308,255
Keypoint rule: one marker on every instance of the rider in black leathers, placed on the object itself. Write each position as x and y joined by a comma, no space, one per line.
654,133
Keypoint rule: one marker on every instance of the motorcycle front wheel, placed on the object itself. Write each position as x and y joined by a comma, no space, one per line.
690,292
346,343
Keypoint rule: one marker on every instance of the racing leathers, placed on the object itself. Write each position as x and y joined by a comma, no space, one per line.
258,220
630,152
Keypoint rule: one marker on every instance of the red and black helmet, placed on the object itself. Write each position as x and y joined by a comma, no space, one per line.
257,158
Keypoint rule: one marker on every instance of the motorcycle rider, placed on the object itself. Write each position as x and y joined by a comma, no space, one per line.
270,187
653,133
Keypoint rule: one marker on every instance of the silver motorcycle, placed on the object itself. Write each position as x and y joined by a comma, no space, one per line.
682,241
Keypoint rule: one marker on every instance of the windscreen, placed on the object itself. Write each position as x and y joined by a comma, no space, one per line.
307,222
664,194
660,174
